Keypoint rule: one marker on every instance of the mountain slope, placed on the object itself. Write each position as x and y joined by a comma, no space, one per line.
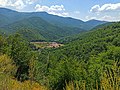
53,19
60,21
108,35
103,25
34,28
3,20
93,23
84,59
50,27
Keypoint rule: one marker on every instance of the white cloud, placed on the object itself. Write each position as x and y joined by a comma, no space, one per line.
54,9
105,7
77,12
95,8
49,9
17,4
4,3
90,18
60,14
104,18
30,1
109,18
57,8
41,8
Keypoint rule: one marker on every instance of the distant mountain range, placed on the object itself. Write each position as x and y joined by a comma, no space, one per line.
41,25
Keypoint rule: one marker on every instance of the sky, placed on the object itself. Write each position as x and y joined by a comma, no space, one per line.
105,10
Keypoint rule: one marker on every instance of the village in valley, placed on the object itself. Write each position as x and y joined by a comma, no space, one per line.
40,45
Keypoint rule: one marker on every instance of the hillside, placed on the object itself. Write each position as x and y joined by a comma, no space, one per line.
53,19
109,35
86,59
90,62
3,20
93,23
35,28
41,25
81,35
103,25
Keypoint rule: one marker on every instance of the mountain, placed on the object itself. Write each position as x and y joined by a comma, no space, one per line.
93,23
56,20
77,37
35,28
61,21
3,20
8,15
41,25
53,19
103,25
94,42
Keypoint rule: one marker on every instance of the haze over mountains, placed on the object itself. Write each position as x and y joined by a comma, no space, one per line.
41,25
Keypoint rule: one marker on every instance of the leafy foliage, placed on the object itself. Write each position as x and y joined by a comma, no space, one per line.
82,59
86,62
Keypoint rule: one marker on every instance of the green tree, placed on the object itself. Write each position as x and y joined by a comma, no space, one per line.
20,52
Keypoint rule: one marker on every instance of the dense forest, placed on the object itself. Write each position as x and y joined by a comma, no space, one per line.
87,61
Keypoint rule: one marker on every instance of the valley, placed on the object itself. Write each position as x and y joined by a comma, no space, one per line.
42,51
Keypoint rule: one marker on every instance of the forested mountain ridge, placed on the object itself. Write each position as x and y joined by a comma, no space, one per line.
108,34
47,27
53,19
81,35
35,28
93,23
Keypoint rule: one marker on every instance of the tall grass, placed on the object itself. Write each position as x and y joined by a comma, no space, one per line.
7,83
75,86
110,80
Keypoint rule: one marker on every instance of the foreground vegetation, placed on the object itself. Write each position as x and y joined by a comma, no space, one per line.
89,62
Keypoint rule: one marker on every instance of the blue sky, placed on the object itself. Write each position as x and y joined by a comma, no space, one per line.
108,10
